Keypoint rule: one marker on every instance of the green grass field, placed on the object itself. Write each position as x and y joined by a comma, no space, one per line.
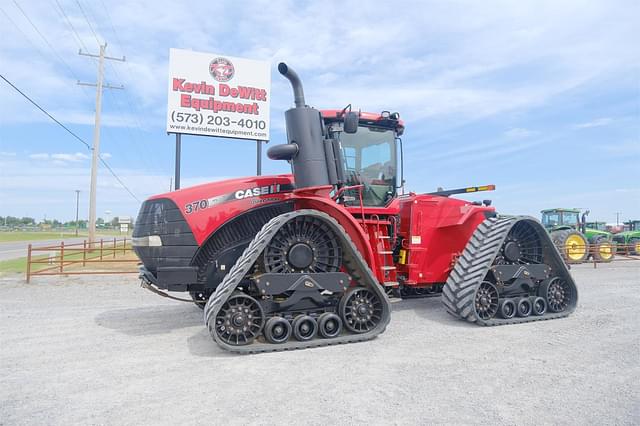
9,236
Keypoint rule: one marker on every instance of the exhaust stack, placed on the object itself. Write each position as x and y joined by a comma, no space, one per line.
305,134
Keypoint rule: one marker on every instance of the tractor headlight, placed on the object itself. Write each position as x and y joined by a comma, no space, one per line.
148,241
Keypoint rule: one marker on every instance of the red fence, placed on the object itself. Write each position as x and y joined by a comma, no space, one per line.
102,252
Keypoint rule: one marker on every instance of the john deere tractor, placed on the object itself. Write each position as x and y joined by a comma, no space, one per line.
630,237
575,241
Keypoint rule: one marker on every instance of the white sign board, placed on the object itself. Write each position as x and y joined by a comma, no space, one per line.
218,95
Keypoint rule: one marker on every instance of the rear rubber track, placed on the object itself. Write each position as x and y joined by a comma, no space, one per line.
473,264
353,262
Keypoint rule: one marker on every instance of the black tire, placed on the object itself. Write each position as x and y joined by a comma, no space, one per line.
538,306
329,325
633,243
566,242
603,250
523,307
304,328
277,330
507,308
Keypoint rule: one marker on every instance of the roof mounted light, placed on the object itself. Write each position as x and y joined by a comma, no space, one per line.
395,116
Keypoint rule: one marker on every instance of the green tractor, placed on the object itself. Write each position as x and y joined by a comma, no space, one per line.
630,237
574,239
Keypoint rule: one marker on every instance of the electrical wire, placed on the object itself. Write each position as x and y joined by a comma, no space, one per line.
72,134
88,23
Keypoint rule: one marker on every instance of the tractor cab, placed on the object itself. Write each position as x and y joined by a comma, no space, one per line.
369,155
554,219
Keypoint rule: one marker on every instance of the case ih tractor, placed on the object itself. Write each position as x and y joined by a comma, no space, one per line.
575,240
309,259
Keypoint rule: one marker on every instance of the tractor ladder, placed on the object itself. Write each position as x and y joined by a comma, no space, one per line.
383,243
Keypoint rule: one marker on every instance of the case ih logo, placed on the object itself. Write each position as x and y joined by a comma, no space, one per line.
221,69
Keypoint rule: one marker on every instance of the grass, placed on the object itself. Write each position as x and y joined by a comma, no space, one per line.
9,236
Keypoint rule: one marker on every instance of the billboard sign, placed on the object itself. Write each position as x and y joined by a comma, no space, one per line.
218,95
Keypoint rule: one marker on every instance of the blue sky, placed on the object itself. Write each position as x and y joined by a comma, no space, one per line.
540,98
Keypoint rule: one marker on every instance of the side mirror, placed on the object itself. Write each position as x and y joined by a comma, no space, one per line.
351,120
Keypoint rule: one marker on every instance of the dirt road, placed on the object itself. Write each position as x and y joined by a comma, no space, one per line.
100,350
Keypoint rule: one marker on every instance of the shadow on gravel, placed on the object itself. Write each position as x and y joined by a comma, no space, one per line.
150,320
430,308
202,344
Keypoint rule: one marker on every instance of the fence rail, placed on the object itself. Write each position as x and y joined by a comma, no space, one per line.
61,256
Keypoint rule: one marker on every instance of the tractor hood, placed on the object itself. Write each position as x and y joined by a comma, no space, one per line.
206,207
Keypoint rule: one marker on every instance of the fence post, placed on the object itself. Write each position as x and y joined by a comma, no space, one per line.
101,245
124,245
61,256
114,247
28,263
84,253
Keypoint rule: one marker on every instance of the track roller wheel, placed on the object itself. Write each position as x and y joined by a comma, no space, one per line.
304,328
277,330
538,306
361,309
524,307
557,294
507,308
240,320
329,325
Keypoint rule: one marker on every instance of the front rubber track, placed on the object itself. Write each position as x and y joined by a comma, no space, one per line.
472,266
353,262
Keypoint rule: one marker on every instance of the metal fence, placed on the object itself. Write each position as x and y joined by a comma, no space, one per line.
58,257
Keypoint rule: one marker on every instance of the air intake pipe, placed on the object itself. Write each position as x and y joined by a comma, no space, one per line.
305,134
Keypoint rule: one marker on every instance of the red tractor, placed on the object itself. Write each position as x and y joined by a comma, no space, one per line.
310,259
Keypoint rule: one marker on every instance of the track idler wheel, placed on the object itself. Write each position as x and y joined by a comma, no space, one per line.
557,293
329,325
486,300
304,328
538,306
524,307
507,308
240,320
277,330
361,309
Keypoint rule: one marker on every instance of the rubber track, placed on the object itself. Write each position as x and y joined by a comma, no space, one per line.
476,259
352,261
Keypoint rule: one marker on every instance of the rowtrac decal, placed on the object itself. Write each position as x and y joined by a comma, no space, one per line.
240,194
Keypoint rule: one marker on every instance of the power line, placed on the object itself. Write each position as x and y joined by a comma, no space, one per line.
87,19
70,25
71,133
44,111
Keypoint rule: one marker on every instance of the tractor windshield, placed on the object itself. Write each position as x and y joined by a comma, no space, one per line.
550,219
570,218
370,160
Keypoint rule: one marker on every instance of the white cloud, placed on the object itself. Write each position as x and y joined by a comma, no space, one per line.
7,154
518,133
106,155
73,158
39,156
599,122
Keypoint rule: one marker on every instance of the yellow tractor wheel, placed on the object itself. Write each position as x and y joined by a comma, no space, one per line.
573,246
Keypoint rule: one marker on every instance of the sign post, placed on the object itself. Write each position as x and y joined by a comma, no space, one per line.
218,95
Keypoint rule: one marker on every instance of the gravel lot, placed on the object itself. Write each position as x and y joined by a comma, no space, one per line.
101,350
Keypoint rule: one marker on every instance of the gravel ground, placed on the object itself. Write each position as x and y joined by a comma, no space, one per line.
101,350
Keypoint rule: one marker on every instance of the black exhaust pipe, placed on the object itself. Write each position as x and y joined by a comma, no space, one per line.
296,84
306,137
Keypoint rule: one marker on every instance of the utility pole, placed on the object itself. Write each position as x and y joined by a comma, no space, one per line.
618,218
77,208
96,133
